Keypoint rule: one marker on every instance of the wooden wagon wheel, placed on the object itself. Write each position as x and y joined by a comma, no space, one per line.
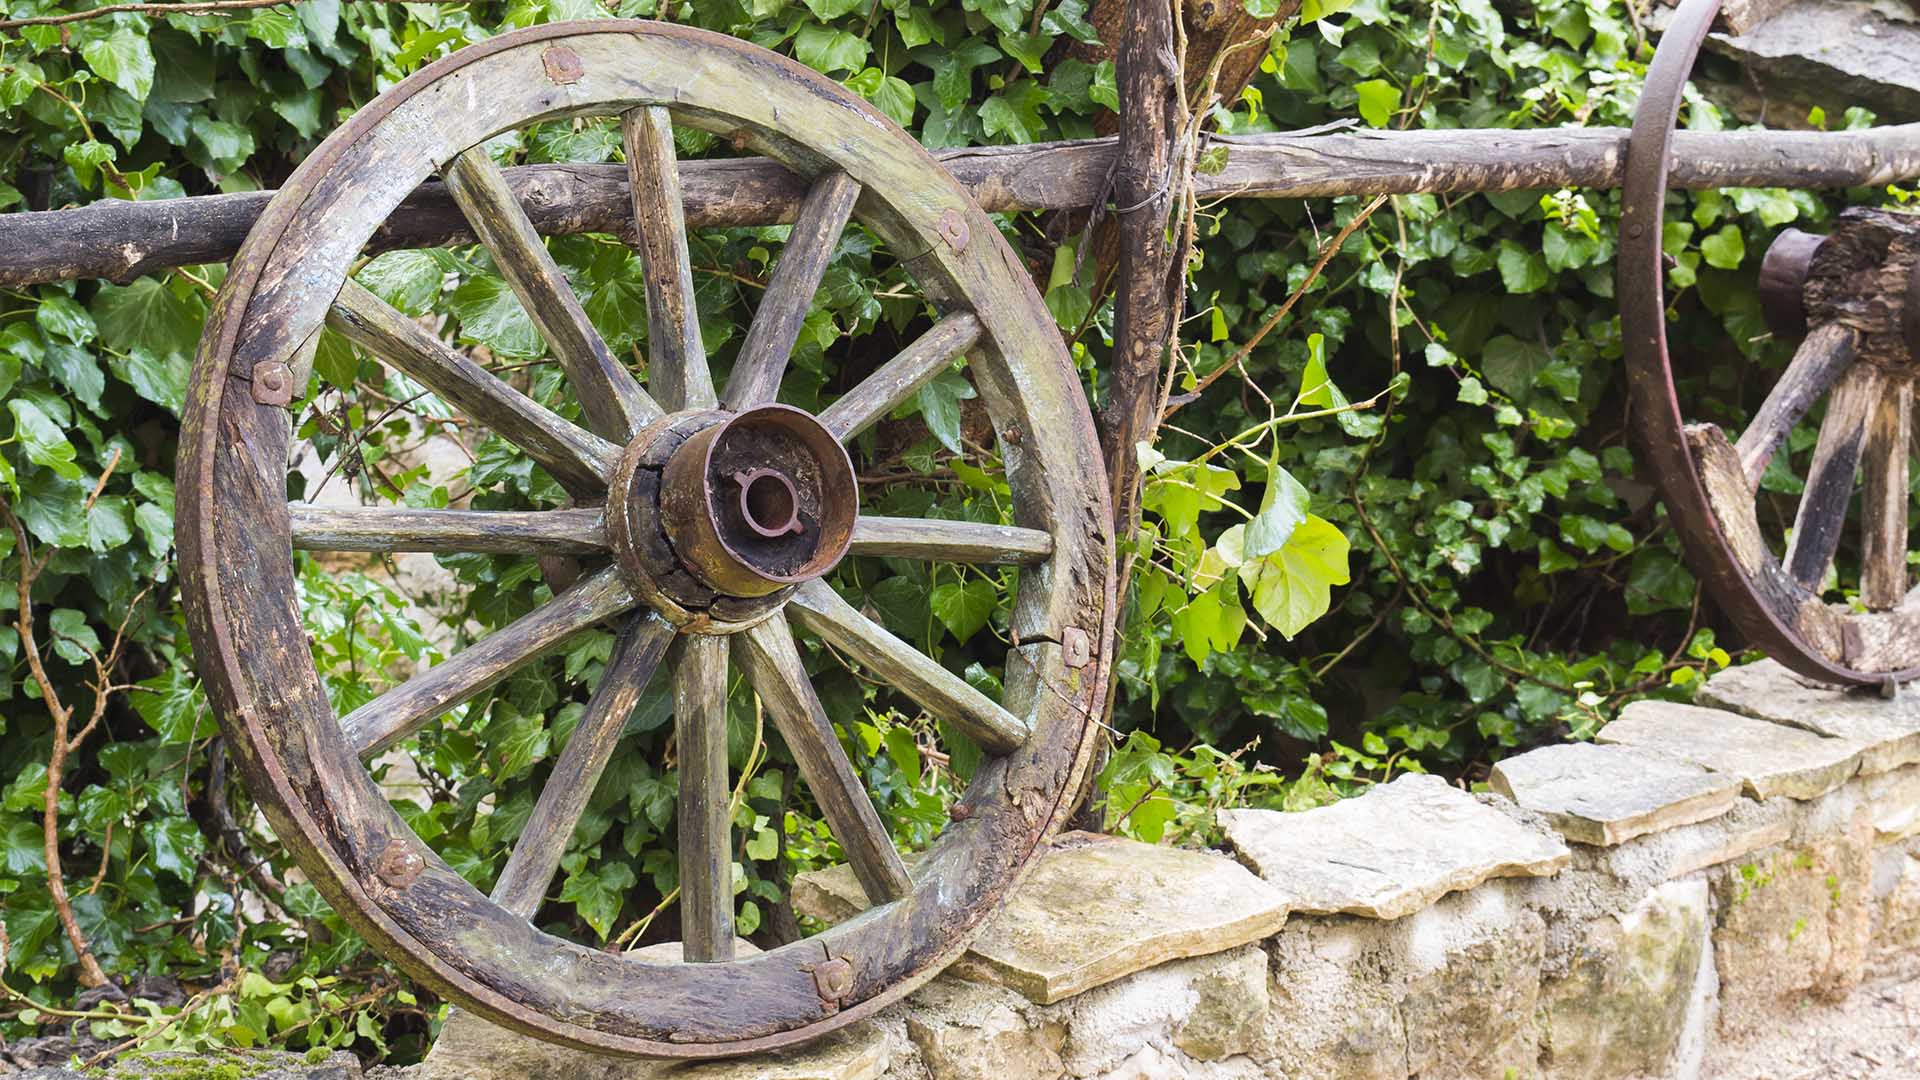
1859,291
720,512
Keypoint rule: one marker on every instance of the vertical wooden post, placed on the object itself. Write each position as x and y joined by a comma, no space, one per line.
1148,288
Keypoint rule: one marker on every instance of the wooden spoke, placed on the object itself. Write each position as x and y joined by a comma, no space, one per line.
397,713
1822,356
614,404
706,801
818,608
899,378
1823,506
949,541
676,360
578,459
1885,498
536,854
776,325
395,528
772,662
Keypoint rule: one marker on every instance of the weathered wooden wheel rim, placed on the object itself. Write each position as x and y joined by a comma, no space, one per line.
238,573
1709,496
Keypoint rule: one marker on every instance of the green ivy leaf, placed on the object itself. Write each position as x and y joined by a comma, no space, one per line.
1725,248
827,50
26,852
939,402
489,314
1291,587
1281,512
1511,365
1522,270
117,51
1379,100
1015,112
598,893
59,316
963,607
42,439
148,314
175,843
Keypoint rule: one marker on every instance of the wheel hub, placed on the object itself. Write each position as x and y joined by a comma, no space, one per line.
714,517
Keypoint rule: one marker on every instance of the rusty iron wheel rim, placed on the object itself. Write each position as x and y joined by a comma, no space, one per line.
305,769
1775,613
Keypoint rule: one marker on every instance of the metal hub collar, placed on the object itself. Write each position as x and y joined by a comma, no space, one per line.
714,517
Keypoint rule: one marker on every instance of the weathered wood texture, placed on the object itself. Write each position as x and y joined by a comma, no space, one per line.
789,295
399,712
677,361
946,695
394,528
706,800
536,854
949,541
1885,498
1863,277
121,240
1147,301
612,400
1818,361
901,377
1823,506
578,459
772,662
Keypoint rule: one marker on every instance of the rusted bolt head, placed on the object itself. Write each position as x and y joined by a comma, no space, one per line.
272,383
833,979
399,864
953,229
1077,646
563,65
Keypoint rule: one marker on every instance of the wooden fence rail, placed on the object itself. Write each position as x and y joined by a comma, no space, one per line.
121,240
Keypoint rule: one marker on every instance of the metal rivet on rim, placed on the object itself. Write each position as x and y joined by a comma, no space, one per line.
272,383
563,65
953,229
833,980
399,864
1075,643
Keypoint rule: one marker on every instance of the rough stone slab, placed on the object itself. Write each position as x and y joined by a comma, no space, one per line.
1895,801
1606,795
1743,834
1451,991
1770,759
1833,53
1620,1008
1888,732
1390,852
1091,910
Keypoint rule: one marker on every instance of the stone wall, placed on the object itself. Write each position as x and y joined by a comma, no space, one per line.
1625,908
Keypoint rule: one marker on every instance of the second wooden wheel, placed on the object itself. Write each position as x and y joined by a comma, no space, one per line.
705,517
1858,290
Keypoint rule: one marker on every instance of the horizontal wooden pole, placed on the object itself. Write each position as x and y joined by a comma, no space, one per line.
121,240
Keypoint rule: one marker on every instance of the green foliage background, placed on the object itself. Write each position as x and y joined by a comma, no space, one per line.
1510,580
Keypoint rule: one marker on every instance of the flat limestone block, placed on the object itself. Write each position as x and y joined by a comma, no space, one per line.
1606,795
1390,852
1888,732
1832,53
1770,759
1091,910
470,1048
